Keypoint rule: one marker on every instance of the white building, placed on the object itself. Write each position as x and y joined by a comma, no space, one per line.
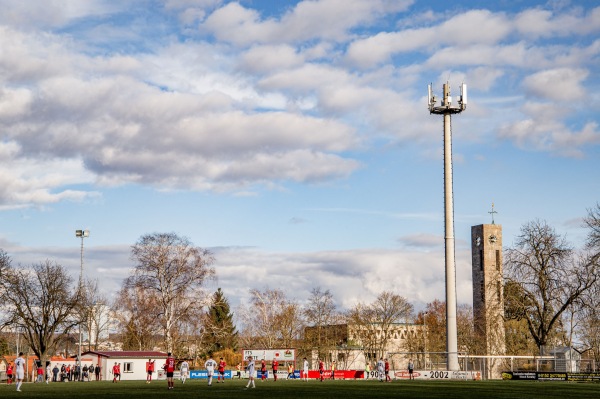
133,363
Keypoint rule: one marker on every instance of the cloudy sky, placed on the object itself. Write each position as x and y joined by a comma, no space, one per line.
292,138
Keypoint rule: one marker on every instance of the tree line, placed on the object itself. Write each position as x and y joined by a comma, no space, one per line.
550,289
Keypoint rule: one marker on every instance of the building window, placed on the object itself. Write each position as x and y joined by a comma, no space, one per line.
481,259
128,367
497,259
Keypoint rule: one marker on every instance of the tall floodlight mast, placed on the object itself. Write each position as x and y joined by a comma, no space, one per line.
446,108
83,234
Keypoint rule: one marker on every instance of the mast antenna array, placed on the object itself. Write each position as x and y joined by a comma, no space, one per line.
447,108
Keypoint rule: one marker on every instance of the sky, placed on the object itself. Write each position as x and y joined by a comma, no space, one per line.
292,138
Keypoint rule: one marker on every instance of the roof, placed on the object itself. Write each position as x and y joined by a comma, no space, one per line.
564,349
127,354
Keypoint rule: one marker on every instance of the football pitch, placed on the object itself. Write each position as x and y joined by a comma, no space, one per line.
307,390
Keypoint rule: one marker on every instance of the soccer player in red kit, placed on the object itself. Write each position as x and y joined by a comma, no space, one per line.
149,370
116,372
387,371
221,370
263,370
9,374
275,365
170,369
321,369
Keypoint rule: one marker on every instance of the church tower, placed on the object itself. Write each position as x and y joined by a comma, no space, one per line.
488,298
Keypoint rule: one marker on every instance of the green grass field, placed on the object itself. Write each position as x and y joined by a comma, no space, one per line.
307,390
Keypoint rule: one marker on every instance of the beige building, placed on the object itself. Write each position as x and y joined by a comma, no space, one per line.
353,346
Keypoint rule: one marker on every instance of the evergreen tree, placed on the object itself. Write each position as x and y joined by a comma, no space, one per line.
221,332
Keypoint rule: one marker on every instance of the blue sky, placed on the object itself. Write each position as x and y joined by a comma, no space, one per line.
292,138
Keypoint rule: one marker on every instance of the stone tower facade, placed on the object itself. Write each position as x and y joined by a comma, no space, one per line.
488,298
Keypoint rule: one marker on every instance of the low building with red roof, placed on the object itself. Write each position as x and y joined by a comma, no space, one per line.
133,363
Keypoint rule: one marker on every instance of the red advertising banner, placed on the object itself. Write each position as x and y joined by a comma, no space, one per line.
338,374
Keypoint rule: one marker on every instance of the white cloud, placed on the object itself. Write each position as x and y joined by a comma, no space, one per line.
98,110
119,133
306,78
52,13
571,143
26,182
477,37
191,11
538,22
270,58
561,84
351,276
201,114
14,102
378,48
236,24
543,130
483,78
473,27
324,20
518,54
422,240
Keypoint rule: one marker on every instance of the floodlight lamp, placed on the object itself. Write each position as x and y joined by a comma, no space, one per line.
86,233
78,233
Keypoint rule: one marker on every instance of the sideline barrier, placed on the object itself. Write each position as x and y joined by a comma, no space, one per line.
355,375
438,375
360,375
550,376
203,374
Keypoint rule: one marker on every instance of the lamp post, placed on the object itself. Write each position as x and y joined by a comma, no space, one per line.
83,234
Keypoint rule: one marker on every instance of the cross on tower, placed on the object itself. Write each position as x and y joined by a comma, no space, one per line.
492,213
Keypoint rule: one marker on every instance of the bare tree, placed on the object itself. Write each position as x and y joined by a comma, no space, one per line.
40,301
589,316
468,340
95,313
588,332
518,339
374,324
290,324
416,340
549,275
259,320
172,269
320,314
435,324
270,321
136,311
592,222
192,342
